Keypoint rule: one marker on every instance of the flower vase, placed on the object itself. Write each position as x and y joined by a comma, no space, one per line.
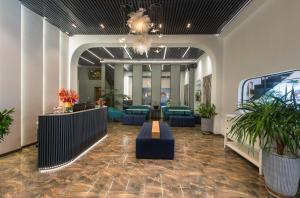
68,107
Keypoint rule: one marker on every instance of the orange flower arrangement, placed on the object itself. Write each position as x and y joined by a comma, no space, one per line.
68,96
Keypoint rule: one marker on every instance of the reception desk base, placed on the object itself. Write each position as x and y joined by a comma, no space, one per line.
64,138
64,165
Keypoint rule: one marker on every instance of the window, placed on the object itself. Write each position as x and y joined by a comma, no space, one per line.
165,84
281,83
146,87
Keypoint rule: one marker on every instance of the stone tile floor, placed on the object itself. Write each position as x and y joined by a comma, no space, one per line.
201,168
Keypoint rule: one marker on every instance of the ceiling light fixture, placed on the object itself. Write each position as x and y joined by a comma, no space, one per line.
188,25
160,25
186,52
162,46
127,52
94,54
102,26
109,52
165,53
75,26
111,66
87,60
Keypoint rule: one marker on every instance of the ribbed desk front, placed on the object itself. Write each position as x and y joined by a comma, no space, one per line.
63,137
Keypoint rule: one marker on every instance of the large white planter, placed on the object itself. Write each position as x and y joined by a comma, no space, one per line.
281,173
207,124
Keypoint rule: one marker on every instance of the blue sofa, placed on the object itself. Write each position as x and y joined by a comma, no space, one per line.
182,121
149,148
130,119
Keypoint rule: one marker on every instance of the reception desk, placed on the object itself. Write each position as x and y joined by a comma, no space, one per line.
64,137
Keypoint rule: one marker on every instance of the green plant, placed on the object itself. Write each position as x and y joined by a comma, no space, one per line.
112,97
273,119
5,121
206,110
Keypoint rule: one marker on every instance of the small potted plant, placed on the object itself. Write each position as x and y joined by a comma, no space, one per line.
275,122
207,113
5,122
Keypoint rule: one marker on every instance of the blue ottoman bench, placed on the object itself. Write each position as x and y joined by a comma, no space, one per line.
150,148
129,119
182,121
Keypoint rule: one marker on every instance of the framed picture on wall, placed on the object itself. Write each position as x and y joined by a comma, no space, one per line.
94,74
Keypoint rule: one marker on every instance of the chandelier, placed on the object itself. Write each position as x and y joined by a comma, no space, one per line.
142,44
138,22
140,25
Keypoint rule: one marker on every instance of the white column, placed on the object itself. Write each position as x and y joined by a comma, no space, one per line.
175,85
137,83
156,83
119,84
31,75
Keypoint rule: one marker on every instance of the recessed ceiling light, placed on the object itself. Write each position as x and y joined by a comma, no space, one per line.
127,52
94,54
87,60
188,25
102,26
165,53
74,25
157,51
186,52
121,40
111,66
160,25
109,52
154,30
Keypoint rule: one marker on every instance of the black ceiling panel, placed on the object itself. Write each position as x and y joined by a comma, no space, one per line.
205,16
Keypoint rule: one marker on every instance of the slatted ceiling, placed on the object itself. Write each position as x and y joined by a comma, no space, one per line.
205,16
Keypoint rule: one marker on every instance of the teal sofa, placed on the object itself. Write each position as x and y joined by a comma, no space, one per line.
167,111
114,114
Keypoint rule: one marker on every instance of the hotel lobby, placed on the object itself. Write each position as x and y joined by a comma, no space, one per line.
150,98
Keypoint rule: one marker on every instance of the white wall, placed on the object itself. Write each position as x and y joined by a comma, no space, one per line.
266,42
63,61
10,69
51,66
33,62
203,69
32,74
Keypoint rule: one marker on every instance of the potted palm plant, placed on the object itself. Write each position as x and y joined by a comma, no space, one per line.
207,112
274,121
5,121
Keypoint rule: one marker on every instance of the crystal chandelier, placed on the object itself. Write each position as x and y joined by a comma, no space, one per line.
142,44
138,22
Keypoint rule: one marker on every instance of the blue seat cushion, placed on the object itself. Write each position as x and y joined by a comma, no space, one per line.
129,119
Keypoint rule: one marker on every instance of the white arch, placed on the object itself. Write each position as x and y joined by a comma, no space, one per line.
210,44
